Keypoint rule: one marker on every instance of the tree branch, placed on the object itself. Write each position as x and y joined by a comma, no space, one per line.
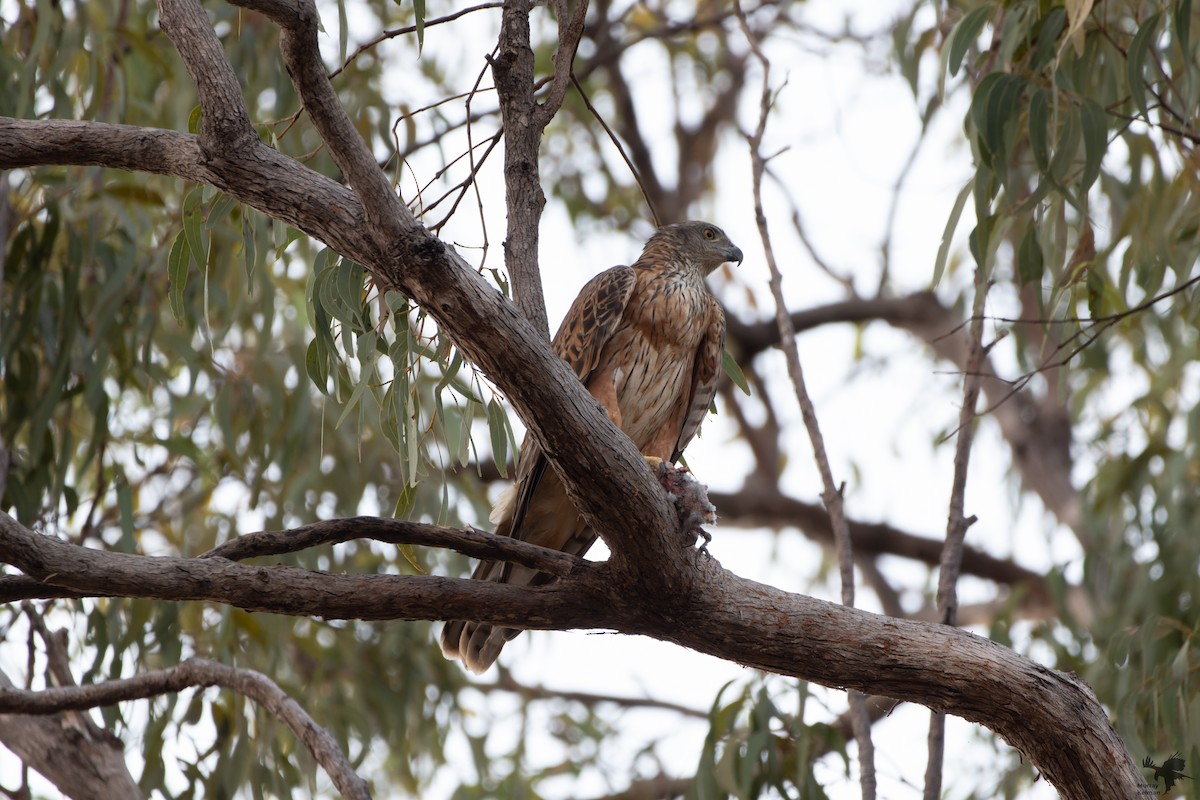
512,71
831,494
197,672
469,541
1053,718
651,585
96,769
290,590
1039,438
957,521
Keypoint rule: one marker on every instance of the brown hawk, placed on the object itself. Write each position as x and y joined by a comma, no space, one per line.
647,342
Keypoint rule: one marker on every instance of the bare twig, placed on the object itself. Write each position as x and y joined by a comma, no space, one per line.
957,522
197,672
633,170
483,227
394,32
507,683
831,493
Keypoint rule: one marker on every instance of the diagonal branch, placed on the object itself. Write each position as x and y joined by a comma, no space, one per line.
299,25
604,473
225,120
571,15
97,759
197,672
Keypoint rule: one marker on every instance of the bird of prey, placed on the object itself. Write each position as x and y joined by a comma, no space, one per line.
647,342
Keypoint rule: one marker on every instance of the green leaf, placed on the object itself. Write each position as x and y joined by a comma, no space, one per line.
193,124
419,14
450,371
404,507
994,111
349,287
463,453
125,507
939,266
317,365
730,365
1047,37
193,217
1030,263
1064,154
497,422
343,32
964,34
249,246
1183,31
1135,62
178,262
1039,133
366,373
1094,123
220,207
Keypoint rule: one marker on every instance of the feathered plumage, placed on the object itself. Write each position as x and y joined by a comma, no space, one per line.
646,341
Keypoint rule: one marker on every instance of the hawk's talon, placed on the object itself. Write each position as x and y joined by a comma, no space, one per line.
657,466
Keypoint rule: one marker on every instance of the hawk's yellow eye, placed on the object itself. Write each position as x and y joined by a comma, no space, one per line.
709,233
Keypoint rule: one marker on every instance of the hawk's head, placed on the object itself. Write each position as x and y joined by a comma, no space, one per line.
701,245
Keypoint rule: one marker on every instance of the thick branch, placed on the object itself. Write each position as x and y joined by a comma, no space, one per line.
756,505
290,590
512,70
96,769
299,24
1051,717
225,120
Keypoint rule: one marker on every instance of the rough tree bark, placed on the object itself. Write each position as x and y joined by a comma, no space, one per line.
653,584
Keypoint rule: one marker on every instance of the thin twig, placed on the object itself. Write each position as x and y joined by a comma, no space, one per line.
831,493
587,101
483,228
957,522
506,683
394,32
1116,316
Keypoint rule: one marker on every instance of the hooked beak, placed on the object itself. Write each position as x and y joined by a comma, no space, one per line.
734,253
